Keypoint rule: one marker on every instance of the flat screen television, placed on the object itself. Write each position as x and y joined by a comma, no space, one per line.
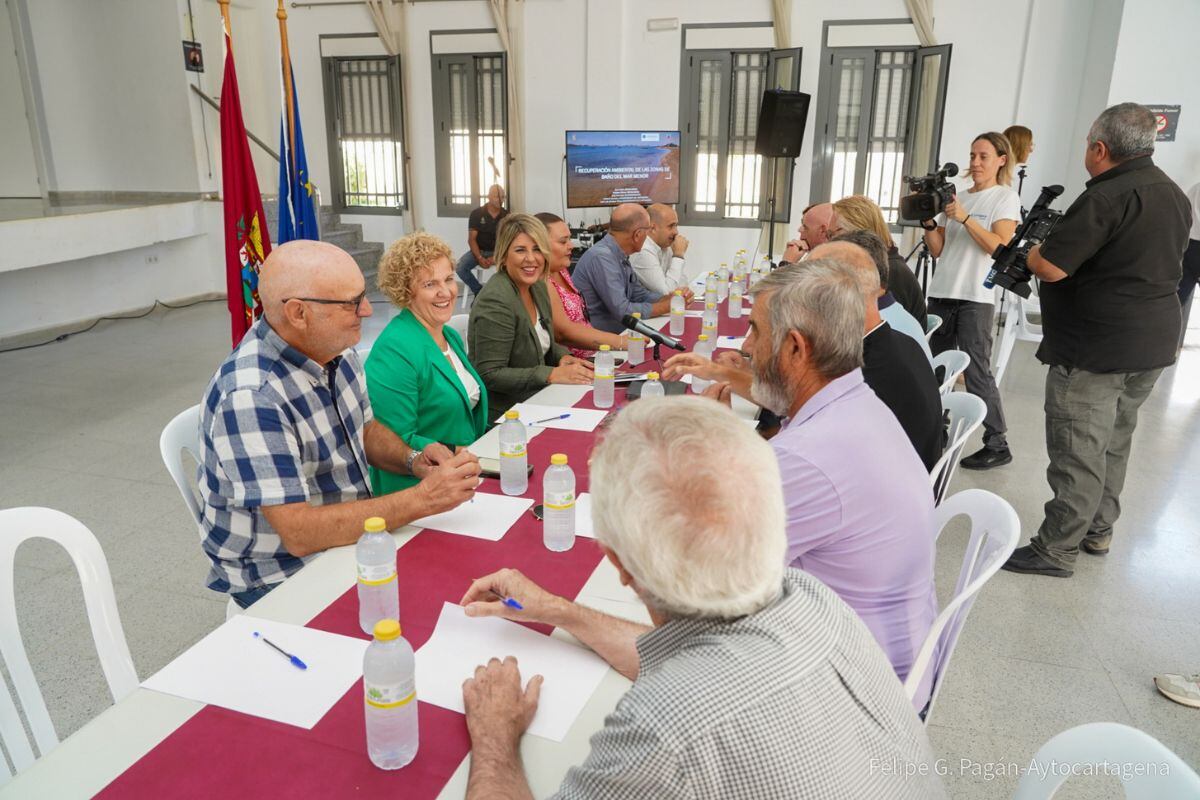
607,168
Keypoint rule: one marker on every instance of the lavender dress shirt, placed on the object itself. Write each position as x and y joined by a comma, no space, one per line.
860,514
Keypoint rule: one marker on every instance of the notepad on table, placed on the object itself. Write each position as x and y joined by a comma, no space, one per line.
460,644
486,516
576,419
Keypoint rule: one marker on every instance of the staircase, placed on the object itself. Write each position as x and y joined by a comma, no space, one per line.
345,235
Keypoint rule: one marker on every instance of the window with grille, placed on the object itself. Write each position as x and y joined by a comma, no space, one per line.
470,129
880,119
366,149
724,181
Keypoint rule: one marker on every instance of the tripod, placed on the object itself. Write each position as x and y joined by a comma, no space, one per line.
1004,292
926,264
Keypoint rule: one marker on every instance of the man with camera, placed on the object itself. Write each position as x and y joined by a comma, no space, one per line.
1110,317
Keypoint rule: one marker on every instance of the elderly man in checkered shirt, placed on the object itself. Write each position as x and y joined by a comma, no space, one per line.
754,681
287,432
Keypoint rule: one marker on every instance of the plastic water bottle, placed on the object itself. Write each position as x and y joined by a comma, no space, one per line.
652,387
514,462
558,505
378,589
637,344
602,382
704,349
722,282
677,313
735,298
708,323
390,691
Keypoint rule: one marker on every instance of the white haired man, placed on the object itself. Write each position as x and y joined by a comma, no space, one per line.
754,680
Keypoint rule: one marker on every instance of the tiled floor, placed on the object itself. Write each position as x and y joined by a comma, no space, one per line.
79,427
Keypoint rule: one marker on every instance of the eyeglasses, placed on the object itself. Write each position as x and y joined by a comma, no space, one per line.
352,305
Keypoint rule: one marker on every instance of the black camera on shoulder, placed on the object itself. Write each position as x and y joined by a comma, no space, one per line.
1010,269
930,194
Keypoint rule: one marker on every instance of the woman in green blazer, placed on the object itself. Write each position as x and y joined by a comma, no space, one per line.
421,384
511,330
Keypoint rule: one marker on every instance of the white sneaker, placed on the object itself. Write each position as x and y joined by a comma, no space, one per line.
1183,689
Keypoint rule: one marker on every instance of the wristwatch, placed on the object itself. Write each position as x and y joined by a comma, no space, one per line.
932,227
413,455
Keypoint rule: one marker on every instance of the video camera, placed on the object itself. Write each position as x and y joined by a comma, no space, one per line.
1010,269
930,194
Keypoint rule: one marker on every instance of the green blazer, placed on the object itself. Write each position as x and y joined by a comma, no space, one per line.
504,348
415,392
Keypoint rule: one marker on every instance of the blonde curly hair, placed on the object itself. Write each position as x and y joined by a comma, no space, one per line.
401,264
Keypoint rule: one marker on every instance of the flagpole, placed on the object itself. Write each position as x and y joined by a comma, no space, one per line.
281,14
224,4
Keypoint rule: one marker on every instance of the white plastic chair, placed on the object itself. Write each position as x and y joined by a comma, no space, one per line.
1111,745
966,414
16,526
183,433
459,323
1016,327
995,530
932,323
956,363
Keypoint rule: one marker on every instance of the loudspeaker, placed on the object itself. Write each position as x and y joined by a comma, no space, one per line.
781,121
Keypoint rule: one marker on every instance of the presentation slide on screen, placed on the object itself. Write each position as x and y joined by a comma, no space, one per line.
606,168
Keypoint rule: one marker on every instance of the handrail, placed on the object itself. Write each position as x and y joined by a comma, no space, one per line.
217,106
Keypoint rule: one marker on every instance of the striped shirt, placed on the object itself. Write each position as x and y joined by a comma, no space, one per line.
794,700
275,427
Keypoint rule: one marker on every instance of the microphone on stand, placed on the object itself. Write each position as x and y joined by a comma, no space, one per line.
634,324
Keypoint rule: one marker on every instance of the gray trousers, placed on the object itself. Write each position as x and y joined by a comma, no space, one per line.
1090,419
967,326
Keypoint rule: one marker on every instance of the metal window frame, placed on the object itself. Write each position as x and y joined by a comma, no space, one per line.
441,118
337,169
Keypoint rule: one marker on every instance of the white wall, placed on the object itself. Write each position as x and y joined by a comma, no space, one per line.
114,96
1158,62
19,177
1093,91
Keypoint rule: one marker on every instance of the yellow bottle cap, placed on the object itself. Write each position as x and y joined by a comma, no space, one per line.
558,459
375,525
512,413
651,376
387,629
710,305
604,348
679,292
702,337
636,315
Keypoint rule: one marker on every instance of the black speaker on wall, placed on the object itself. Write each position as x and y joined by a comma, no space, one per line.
781,121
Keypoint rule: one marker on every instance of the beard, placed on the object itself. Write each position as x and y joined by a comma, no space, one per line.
769,388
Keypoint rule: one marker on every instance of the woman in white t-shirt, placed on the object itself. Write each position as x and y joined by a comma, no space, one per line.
963,240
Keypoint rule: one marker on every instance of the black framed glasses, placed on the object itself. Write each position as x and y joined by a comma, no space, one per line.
354,304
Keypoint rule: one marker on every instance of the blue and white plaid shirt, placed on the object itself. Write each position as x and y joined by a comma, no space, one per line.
276,428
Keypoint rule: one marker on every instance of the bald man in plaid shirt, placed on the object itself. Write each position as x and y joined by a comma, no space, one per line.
287,432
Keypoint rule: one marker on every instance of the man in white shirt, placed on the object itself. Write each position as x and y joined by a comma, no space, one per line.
659,264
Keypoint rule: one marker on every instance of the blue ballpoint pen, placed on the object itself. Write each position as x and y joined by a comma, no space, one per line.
550,419
296,662
508,601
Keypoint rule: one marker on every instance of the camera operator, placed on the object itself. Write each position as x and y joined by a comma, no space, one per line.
974,224
1110,318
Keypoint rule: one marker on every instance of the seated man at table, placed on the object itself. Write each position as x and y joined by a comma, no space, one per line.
859,506
287,434
893,366
754,680
606,279
659,264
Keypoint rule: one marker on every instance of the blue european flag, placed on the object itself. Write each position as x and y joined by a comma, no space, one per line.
297,210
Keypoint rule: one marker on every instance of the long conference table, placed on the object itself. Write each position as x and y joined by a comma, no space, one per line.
157,745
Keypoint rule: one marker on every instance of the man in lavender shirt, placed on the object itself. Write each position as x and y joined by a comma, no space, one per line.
859,506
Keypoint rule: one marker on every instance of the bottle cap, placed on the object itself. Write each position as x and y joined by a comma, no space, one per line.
636,315
604,348
710,305
374,525
512,413
651,376
558,459
679,292
702,337
387,629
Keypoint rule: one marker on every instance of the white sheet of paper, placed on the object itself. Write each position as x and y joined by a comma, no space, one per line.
731,342
583,515
488,445
460,644
232,669
486,516
658,323
580,419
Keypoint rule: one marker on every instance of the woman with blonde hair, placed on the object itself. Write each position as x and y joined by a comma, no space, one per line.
511,330
963,239
420,382
859,213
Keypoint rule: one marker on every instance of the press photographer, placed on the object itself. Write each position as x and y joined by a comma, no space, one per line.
963,239
1110,318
